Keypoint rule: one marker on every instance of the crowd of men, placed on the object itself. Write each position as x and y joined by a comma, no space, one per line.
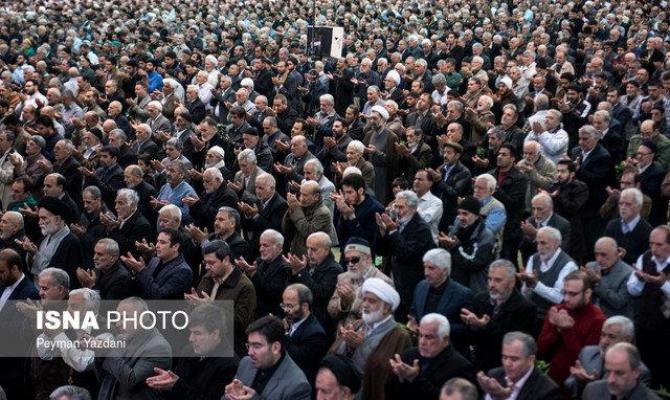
471,202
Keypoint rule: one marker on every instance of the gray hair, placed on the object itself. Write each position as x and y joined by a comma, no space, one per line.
410,198
130,195
16,216
627,326
73,393
274,235
634,359
507,265
528,344
268,178
553,233
357,146
635,193
439,79
171,211
439,258
304,293
591,131
247,155
318,167
215,172
111,246
58,276
328,98
91,297
491,182
232,213
443,327
323,237
94,191
467,390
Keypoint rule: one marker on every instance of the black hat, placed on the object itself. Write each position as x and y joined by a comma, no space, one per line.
470,204
650,145
54,206
344,370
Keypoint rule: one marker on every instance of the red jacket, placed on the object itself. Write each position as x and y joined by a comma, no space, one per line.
561,347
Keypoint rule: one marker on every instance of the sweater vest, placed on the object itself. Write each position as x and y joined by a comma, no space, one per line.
548,278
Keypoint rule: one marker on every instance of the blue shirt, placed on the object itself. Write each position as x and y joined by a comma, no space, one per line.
155,82
174,196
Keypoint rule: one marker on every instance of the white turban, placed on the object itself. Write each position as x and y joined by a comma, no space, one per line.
217,150
383,290
381,111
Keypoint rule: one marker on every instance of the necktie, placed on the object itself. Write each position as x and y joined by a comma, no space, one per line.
625,228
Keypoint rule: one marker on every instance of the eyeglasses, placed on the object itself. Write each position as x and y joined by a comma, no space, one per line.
285,306
352,260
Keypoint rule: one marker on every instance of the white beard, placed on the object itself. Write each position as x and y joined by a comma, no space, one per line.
372,317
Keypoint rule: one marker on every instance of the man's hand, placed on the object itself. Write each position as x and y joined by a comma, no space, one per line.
480,162
28,211
26,244
198,235
195,298
528,229
529,278
145,247
296,263
402,150
658,279
234,186
249,269
352,338
329,142
493,387
282,169
447,241
292,201
403,371
195,174
560,318
470,318
163,380
389,224
412,324
157,165
86,277
345,209
434,174
86,172
346,293
249,211
133,263
77,229
594,275
190,200
109,220
579,372
236,390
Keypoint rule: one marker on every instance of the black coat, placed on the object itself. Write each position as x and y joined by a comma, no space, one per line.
538,386
134,230
307,346
270,280
73,178
406,250
597,172
108,183
269,217
516,314
650,184
113,283
197,110
204,211
427,385
68,257
635,242
202,378
458,184
512,193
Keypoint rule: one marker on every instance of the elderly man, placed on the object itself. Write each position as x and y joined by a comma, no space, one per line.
540,171
306,340
268,371
54,186
551,137
12,234
649,284
11,165
245,179
609,274
318,270
293,167
380,147
440,294
344,305
492,210
518,378
374,339
166,276
203,210
630,230
313,171
269,273
306,216
545,271
225,282
175,189
649,132
125,375
59,247
405,238
471,244
496,311
624,368
542,214
337,379
421,371
109,278
570,326
590,364
266,213
651,176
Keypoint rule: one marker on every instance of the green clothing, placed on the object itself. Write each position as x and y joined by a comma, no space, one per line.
661,142
29,201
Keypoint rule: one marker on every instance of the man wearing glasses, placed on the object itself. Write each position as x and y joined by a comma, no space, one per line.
570,326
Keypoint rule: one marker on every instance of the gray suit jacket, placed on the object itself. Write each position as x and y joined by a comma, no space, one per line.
598,391
591,360
123,377
248,192
287,383
611,293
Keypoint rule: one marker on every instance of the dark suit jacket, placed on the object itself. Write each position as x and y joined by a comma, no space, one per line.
134,229
68,257
108,184
597,172
635,242
287,383
512,193
529,247
427,385
149,147
269,217
615,144
307,346
650,184
538,386
516,314
197,110
457,184
406,249
204,211
598,390
113,283
73,178
270,280
171,282
202,378
455,297
321,280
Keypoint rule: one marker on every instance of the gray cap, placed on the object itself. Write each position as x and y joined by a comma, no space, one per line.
39,140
